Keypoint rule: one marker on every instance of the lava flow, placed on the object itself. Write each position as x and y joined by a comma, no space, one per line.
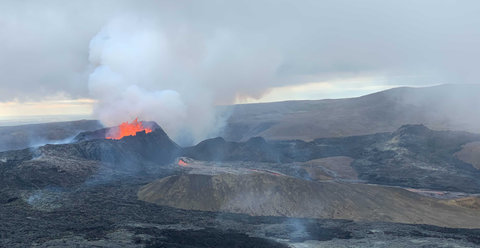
128,129
182,163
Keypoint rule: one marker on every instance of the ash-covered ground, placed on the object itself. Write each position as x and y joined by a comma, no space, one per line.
363,191
110,215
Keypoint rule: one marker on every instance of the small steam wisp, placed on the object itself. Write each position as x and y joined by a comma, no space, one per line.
127,129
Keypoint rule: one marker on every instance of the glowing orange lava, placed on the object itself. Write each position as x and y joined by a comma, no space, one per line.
128,129
182,163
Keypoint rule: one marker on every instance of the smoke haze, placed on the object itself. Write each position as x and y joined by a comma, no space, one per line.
173,61
140,70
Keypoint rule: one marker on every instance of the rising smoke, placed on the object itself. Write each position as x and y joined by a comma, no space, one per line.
173,78
179,58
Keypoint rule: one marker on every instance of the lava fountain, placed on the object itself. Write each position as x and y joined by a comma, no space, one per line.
182,163
127,129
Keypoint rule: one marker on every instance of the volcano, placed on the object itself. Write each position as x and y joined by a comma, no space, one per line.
127,129
91,152
152,146
137,183
118,132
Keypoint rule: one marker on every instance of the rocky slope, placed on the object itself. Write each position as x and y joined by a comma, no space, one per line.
415,156
73,163
84,194
466,202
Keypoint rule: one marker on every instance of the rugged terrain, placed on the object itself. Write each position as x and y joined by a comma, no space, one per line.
24,136
412,156
73,163
110,215
146,191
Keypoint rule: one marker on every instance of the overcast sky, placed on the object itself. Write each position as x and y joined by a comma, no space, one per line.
230,51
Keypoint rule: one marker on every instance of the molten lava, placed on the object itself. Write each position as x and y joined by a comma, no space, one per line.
182,163
128,129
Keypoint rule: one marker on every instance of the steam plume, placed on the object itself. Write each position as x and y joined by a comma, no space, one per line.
134,76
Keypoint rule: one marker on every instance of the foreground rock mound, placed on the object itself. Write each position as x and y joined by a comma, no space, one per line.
467,202
275,195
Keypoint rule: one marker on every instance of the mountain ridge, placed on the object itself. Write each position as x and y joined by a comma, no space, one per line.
443,107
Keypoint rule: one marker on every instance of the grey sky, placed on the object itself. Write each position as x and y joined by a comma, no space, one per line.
243,48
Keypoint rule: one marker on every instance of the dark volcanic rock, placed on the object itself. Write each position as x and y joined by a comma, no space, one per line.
206,238
23,136
111,216
108,214
154,147
217,149
258,149
54,170
415,156
70,164
412,156
102,133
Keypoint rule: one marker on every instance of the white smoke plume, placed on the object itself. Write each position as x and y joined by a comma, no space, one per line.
229,44
174,77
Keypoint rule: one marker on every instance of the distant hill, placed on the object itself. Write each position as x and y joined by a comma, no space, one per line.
452,107
23,136
444,107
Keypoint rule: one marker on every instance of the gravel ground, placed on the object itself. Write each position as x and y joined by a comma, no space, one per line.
109,215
